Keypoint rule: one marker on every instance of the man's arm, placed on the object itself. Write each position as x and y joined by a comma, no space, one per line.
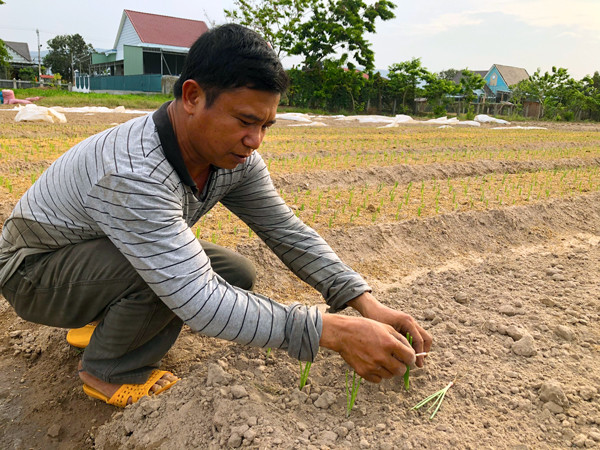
144,219
256,201
376,348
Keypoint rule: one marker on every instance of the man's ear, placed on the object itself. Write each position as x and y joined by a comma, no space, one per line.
192,96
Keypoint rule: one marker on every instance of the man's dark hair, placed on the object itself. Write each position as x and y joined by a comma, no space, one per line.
232,56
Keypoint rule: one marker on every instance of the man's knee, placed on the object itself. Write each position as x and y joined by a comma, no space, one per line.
231,266
246,274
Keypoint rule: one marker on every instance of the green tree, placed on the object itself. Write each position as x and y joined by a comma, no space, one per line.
448,74
547,89
595,80
469,83
4,59
27,74
334,26
405,80
591,91
439,92
329,87
4,56
315,29
276,20
375,93
68,53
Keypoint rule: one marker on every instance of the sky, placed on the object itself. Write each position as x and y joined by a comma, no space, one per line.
456,34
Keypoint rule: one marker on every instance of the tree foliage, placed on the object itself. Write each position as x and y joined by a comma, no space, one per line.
448,74
276,20
406,82
560,96
4,57
340,26
68,53
329,87
316,30
440,92
27,74
469,83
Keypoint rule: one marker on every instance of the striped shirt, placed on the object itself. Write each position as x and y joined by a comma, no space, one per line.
130,184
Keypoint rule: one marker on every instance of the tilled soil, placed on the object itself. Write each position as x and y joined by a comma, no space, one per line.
511,297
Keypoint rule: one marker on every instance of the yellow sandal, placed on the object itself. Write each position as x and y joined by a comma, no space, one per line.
80,337
135,391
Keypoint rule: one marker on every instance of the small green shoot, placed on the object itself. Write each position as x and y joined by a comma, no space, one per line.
304,371
351,392
437,398
407,373
268,353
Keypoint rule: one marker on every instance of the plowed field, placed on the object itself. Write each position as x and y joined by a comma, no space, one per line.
490,238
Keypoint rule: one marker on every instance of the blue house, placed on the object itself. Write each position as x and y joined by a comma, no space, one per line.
500,78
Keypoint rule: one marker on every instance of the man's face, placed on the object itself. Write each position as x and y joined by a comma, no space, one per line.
227,132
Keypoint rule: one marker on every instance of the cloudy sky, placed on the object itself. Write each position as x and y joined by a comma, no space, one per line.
454,34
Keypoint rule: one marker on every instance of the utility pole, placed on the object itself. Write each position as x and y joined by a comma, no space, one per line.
39,57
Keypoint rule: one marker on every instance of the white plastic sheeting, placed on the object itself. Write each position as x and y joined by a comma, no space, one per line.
35,113
390,122
311,124
295,117
89,109
484,118
519,128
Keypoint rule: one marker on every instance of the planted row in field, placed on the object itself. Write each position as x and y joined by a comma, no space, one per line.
334,208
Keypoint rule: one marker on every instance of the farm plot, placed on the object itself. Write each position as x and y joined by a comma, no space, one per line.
490,238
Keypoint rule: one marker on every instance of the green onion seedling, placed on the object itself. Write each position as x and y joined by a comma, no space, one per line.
304,371
351,392
437,397
407,373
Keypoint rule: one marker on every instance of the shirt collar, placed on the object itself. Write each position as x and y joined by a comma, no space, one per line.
168,140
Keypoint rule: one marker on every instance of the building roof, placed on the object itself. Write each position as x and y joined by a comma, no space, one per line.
21,48
512,75
164,30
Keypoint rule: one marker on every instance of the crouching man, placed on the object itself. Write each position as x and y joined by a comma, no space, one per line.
103,237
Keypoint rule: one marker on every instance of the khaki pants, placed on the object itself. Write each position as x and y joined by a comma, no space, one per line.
93,281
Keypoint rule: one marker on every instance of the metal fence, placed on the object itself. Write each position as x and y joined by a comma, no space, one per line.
140,83
86,83
22,84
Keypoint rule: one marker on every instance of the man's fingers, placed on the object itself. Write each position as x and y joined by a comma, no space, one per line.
373,378
402,350
421,342
399,336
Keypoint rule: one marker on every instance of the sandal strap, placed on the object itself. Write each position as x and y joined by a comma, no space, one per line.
136,391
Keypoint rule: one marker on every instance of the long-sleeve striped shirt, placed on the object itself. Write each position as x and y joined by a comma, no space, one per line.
130,183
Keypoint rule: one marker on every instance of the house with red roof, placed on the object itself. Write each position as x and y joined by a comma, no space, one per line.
147,47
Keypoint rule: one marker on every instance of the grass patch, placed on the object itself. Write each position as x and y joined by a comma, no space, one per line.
56,97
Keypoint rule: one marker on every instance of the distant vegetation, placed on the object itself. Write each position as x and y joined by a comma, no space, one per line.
330,36
56,97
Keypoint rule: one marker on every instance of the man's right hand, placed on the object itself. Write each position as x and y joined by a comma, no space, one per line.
375,350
